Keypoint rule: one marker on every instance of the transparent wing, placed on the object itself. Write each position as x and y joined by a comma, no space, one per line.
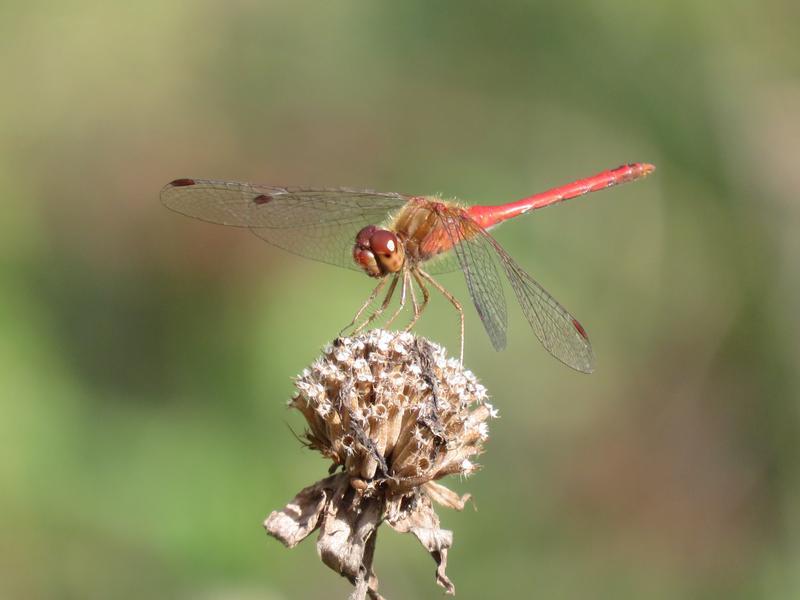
446,262
559,332
320,224
474,253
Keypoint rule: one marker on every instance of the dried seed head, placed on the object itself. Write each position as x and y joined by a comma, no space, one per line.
395,414
393,410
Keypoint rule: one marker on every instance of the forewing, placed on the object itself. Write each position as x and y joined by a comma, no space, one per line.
473,250
320,224
559,332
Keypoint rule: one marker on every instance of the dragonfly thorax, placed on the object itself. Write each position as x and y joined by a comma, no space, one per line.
378,251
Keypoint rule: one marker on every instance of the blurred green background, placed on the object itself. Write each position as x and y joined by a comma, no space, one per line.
145,358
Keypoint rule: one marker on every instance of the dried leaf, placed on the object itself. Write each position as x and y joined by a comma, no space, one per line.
420,519
292,524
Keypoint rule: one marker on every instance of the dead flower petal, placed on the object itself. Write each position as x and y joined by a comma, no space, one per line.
445,496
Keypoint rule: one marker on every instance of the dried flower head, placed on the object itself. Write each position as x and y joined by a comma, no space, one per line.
395,414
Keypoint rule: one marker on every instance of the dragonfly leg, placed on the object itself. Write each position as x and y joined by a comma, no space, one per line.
377,313
452,300
414,304
425,297
403,289
364,306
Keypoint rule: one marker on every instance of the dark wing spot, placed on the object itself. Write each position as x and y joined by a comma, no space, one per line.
181,182
262,199
579,328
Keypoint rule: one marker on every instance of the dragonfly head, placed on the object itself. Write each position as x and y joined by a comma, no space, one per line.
378,251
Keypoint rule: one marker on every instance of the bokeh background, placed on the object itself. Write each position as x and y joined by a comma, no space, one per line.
145,358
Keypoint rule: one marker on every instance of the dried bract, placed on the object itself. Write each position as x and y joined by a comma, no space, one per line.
395,415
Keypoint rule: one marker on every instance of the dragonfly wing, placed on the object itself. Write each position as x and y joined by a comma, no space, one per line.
320,224
474,253
446,262
559,332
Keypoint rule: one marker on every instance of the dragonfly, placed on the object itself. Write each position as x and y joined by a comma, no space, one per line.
404,240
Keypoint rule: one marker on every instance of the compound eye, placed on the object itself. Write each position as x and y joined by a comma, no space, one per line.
384,243
365,235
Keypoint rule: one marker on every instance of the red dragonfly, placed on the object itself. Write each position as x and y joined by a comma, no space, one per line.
406,239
